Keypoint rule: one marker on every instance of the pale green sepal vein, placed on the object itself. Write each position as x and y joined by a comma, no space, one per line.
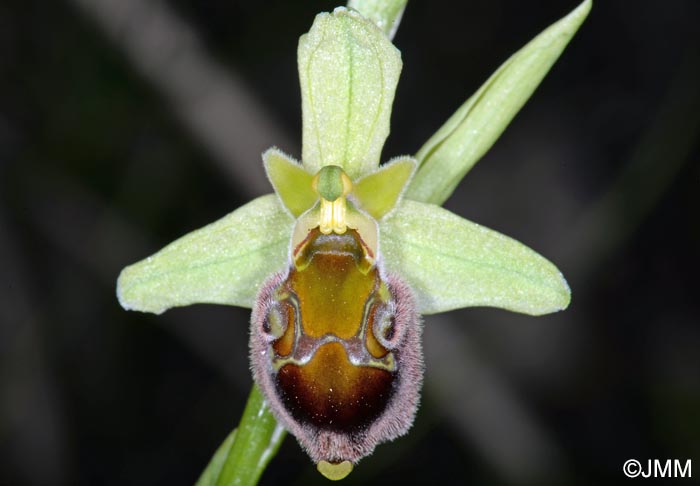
246,452
291,182
379,192
348,71
222,263
450,263
454,149
386,14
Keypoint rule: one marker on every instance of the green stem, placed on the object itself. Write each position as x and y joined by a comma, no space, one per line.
245,453
385,13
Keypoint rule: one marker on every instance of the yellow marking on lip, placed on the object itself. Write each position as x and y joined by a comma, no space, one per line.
334,472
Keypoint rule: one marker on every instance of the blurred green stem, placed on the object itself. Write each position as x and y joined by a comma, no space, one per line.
245,453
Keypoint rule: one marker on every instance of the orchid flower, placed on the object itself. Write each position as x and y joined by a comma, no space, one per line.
340,262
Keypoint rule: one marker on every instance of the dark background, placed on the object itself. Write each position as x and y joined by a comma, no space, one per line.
122,129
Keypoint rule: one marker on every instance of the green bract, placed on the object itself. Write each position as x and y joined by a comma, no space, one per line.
477,124
348,70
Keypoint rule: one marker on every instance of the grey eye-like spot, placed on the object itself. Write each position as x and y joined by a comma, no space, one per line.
275,322
387,330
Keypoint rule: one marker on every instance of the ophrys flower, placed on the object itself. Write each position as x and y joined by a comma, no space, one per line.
339,262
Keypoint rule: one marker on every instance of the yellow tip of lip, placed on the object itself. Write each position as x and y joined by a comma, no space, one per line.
334,472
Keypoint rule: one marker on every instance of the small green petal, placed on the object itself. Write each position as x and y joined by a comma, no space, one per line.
386,14
222,263
379,192
348,71
473,129
451,263
291,182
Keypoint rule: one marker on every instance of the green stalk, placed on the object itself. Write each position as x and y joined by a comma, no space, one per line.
386,14
246,452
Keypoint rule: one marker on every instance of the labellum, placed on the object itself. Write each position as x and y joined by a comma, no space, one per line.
335,340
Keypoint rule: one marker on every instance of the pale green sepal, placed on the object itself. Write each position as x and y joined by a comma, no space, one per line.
222,263
348,71
386,14
379,192
452,151
450,263
291,182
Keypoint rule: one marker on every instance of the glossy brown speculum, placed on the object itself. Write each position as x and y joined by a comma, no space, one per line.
332,372
332,394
